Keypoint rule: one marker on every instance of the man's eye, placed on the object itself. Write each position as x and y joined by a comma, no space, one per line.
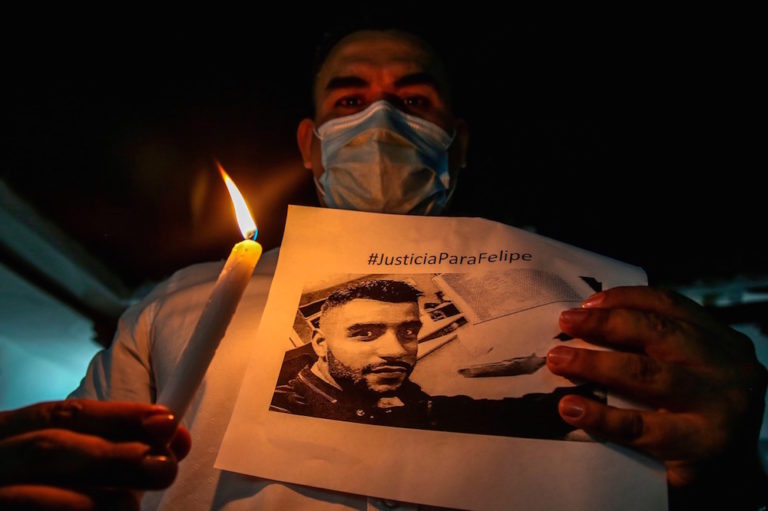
417,102
350,101
365,334
409,333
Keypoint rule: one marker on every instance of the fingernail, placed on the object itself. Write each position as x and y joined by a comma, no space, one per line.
596,300
572,409
160,427
158,467
560,356
158,410
573,316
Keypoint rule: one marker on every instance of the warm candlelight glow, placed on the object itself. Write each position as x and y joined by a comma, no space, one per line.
244,217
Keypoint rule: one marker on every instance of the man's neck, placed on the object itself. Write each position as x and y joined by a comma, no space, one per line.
321,371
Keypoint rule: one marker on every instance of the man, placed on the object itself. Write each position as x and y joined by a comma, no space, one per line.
700,378
366,347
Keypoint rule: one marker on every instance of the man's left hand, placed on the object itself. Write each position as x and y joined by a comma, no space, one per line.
701,379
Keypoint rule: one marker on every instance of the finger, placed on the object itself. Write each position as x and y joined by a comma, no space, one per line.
660,301
671,306
666,436
639,376
65,458
665,338
631,329
181,443
34,497
111,419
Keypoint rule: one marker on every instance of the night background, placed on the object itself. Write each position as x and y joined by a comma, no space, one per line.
626,139
632,138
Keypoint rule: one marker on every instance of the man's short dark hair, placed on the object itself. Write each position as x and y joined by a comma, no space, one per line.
393,291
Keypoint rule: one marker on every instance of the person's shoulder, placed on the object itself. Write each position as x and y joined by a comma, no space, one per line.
290,397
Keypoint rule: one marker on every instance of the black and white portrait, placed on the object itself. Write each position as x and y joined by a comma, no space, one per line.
372,349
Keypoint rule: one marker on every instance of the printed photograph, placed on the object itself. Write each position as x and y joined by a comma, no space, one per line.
403,351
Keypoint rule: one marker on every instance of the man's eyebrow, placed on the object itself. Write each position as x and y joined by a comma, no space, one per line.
345,82
422,78
352,81
358,326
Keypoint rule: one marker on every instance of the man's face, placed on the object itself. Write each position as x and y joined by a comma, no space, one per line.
369,66
371,345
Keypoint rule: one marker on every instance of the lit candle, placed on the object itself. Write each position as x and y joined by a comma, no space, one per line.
218,312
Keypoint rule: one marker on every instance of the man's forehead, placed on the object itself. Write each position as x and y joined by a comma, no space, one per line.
369,52
364,310
379,48
364,66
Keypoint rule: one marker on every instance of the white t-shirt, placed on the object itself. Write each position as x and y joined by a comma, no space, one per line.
150,337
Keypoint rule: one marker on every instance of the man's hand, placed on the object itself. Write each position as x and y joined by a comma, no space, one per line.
701,379
83,455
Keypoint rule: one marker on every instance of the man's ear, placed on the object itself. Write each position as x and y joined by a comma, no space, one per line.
304,135
319,344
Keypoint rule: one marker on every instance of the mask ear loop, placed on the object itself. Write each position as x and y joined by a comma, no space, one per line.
319,187
451,189
454,180
463,164
450,142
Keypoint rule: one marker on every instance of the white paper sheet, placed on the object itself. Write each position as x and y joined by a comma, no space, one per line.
491,295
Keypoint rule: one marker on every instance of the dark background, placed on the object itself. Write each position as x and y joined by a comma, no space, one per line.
627,135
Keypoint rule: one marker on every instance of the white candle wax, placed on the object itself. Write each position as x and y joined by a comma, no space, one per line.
210,328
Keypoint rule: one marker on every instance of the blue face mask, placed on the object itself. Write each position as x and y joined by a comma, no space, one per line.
382,159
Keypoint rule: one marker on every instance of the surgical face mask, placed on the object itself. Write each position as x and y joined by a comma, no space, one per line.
382,159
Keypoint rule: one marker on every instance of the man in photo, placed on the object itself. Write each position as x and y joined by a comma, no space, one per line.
366,346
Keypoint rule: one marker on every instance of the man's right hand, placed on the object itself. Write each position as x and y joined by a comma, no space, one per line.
83,454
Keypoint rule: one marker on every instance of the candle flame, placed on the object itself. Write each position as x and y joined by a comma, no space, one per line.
244,217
